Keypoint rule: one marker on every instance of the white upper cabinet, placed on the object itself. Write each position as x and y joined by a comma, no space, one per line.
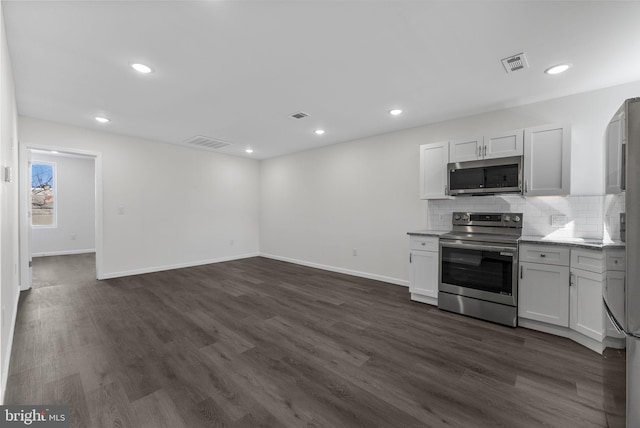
614,146
498,145
547,160
504,144
466,149
433,170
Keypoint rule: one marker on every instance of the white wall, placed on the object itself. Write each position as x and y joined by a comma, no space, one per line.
316,206
9,287
75,205
164,206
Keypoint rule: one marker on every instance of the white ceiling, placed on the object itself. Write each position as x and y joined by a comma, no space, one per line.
236,70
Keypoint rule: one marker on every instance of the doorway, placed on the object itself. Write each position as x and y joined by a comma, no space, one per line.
60,209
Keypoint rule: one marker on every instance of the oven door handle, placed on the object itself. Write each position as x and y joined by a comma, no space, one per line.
480,247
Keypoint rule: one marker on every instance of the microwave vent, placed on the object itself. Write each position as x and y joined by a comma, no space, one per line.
515,63
206,142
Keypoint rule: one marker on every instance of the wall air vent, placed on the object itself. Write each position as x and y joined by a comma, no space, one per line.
299,115
206,142
515,63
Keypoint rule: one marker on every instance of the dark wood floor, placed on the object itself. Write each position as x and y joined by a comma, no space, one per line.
258,342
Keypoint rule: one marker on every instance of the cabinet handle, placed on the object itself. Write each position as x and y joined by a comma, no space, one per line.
410,259
543,255
570,280
485,151
521,270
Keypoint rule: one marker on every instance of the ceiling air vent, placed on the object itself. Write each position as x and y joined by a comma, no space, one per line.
515,63
299,115
206,142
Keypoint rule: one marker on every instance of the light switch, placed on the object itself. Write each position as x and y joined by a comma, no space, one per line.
120,209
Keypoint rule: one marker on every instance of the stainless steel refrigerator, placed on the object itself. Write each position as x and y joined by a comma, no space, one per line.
623,180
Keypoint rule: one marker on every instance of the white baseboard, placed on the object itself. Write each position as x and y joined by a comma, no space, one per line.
583,340
7,357
367,275
424,299
109,275
63,253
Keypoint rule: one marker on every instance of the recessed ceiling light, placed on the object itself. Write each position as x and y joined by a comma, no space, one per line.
319,131
249,150
395,112
557,69
55,152
102,119
141,68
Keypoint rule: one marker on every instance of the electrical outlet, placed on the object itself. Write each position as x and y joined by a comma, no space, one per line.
441,218
558,220
355,252
231,243
74,236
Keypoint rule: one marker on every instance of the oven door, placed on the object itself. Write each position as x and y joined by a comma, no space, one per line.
478,270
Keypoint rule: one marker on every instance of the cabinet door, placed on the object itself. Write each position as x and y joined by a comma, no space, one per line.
613,155
586,309
466,149
547,152
615,292
433,170
504,144
424,273
543,293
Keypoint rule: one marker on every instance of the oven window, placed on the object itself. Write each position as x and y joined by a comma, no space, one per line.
481,270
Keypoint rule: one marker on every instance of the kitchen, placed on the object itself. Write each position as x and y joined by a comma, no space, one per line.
315,195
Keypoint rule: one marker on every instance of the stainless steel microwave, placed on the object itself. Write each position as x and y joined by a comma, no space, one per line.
485,177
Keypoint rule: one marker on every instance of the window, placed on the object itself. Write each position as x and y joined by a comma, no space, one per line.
43,194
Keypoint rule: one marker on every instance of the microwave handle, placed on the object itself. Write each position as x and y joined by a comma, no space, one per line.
480,247
446,190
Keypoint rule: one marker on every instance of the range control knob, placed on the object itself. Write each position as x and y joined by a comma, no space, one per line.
507,217
516,218
456,217
465,217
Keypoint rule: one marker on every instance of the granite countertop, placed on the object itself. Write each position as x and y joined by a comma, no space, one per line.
574,242
588,243
428,232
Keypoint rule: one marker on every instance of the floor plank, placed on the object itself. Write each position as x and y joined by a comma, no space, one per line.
263,343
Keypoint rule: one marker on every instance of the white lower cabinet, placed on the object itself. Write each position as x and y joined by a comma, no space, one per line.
587,313
423,269
587,280
560,292
544,293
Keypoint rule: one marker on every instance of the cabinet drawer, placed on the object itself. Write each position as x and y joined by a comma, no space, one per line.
547,254
589,260
615,260
425,243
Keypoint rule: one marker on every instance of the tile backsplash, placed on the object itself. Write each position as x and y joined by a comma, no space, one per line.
584,214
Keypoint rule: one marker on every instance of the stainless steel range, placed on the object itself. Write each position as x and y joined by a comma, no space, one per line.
479,266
